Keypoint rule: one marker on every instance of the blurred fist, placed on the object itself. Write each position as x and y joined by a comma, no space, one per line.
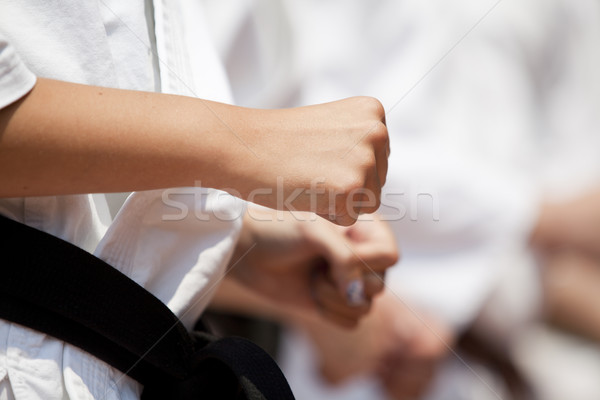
397,344
310,264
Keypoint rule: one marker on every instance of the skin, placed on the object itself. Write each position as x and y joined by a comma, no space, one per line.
272,272
398,345
570,282
65,138
573,224
567,240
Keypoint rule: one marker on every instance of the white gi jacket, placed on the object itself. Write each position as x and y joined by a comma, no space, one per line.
180,258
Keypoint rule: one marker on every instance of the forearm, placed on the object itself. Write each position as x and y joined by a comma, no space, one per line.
261,244
268,237
232,296
64,138
572,224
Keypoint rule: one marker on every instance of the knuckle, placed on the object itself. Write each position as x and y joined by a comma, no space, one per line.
373,105
368,160
393,257
377,194
379,133
369,210
348,184
372,197
378,287
372,208
345,220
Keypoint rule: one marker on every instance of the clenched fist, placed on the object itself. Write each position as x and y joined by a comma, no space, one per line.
330,159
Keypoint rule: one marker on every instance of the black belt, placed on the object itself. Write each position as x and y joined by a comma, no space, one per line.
55,287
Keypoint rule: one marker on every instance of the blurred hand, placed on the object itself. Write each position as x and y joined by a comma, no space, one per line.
408,365
573,224
311,263
571,281
393,344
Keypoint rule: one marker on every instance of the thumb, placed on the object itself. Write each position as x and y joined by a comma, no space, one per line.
344,267
347,275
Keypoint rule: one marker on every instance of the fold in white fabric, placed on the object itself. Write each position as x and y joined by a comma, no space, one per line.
179,257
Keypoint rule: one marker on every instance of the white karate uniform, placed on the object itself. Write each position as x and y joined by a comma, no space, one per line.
179,257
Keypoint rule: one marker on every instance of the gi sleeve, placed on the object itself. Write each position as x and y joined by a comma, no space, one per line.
16,80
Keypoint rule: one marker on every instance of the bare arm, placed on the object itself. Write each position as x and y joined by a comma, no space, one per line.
65,138
572,224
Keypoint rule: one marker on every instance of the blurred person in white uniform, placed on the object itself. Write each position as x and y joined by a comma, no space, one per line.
492,109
